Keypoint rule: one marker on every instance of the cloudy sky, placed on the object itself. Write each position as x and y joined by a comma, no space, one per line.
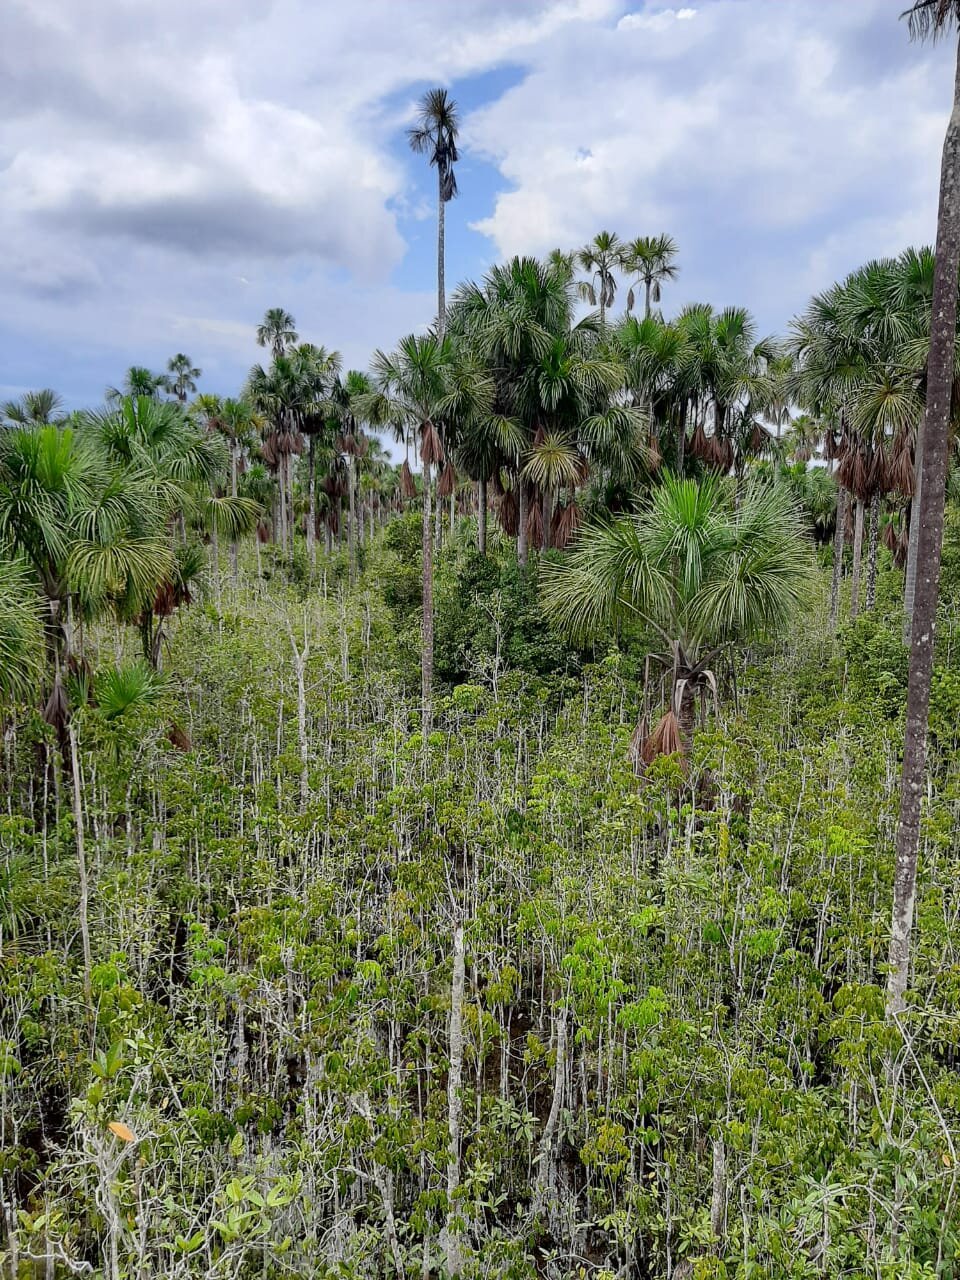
171,168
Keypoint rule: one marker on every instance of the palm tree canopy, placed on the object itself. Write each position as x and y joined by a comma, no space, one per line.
699,569
435,133
277,330
931,19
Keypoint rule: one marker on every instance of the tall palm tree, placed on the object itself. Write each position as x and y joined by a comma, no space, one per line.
435,133
928,18
349,398
604,255
277,330
700,570
652,259
182,376
412,391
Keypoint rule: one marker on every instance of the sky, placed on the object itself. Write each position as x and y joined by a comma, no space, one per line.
169,169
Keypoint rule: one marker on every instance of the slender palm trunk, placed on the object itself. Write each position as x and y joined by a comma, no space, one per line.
482,516
646,309
441,232
686,715
426,656
282,494
234,565
873,542
838,541
455,1103
910,575
312,504
548,501
352,516
291,514
81,868
453,512
943,333
522,530
857,559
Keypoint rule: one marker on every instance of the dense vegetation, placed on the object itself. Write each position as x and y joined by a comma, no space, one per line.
496,863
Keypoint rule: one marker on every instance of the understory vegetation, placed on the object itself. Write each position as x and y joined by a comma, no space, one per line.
669,1035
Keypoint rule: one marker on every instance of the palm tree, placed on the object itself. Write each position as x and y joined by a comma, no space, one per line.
90,526
652,259
928,18
277,331
137,381
183,375
701,570
349,398
34,408
601,258
435,132
412,391
553,409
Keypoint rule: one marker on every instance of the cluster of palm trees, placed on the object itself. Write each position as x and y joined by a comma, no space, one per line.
103,515
861,351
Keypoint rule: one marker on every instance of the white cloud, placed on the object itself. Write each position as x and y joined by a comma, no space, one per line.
753,142
167,171
657,20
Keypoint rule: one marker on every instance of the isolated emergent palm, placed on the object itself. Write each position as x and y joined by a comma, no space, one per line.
928,18
601,258
701,569
277,331
652,259
436,133
182,376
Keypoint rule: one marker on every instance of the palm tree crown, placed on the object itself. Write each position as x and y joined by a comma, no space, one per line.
277,331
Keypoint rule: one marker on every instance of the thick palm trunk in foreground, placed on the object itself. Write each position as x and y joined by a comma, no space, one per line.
910,574
929,513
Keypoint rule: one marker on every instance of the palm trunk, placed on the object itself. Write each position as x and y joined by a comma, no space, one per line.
312,504
352,516
547,516
82,869
686,716
910,575
482,516
873,542
426,656
857,557
453,512
838,541
234,565
291,515
441,230
455,1102
646,310
522,530
943,332
282,493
